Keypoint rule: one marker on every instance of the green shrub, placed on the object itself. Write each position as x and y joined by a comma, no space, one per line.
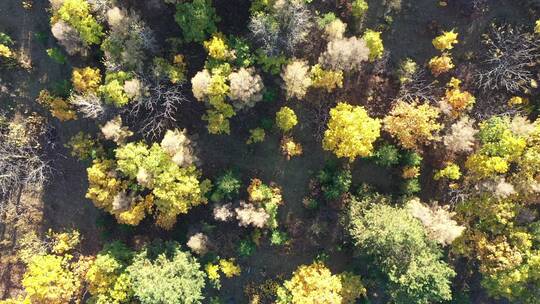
246,248
387,155
334,182
226,188
56,55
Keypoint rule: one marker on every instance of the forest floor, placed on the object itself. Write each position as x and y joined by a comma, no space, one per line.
61,204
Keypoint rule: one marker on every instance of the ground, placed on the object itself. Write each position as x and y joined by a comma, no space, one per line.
61,204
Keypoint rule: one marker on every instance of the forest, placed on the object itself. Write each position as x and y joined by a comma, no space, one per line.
269,151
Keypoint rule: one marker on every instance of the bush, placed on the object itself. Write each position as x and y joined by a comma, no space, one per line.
197,19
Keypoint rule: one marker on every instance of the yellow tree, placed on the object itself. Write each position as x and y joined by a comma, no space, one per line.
311,284
445,41
351,132
412,124
315,283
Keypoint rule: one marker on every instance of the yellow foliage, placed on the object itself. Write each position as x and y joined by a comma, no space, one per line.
229,268
326,79
49,280
58,107
440,64
104,184
286,119
458,100
217,47
352,288
445,41
212,270
485,166
410,172
5,51
351,132
86,80
137,211
518,101
311,284
64,241
257,135
537,27
290,148
374,43
412,124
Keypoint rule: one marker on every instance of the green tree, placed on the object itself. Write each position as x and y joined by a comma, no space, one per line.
399,246
163,273
197,19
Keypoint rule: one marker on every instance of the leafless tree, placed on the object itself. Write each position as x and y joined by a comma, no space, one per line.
89,105
511,53
156,110
22,163
284,29
418,88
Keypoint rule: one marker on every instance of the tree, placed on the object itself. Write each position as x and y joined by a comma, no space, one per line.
315,283
351,132
286,119
311,284
197,19
398,244
245,88
451,172
282,28
412,124
440,64
174,188
326,79
86,80
76,14
212,88
455,100
129,41
445,41
49,280
163,273
374,43
461,136
296,79
227,186
107,278
346,54
217,47
437,221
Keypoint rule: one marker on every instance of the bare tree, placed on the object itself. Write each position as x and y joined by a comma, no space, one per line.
511,53
156,110
284,29
418,88
89,105
22,161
